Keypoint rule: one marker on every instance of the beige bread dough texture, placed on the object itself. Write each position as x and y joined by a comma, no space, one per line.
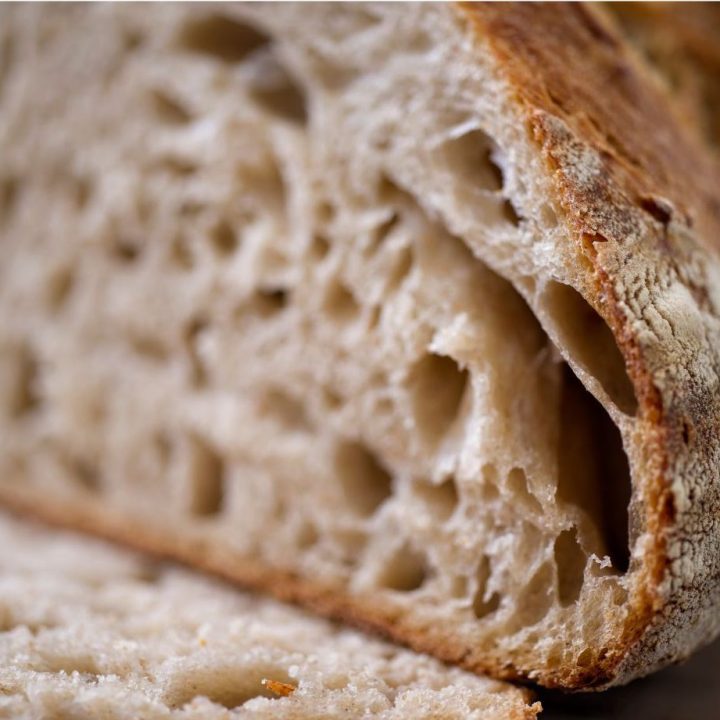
89,631
408,313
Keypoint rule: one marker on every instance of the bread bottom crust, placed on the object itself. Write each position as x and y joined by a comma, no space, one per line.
212,556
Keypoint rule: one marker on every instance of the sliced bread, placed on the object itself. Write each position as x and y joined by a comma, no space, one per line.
89,631
409,313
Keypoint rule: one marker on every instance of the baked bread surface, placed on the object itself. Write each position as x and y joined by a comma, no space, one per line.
383,310
90,631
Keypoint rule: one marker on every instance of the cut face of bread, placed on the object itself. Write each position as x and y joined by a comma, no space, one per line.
381,309
87,631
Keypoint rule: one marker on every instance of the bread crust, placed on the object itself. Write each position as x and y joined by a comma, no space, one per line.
639,196
362,612
248,634
639,204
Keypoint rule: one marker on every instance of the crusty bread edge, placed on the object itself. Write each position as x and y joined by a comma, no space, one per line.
90,516
645,153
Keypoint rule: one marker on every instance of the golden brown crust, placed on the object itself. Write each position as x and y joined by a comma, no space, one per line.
607,102
640,199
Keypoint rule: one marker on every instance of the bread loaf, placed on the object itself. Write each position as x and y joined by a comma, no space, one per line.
406,313
87,631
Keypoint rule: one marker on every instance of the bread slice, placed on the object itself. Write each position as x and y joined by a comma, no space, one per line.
407,313
88,631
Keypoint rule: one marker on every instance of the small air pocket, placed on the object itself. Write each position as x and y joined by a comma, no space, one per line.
591,343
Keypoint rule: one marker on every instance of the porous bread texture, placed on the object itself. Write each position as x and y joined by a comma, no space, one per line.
89,631
265,298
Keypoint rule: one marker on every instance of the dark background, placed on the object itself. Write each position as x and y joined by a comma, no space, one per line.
686,692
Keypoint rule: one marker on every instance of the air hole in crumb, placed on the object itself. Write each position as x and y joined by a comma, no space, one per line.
284,409
207,480
82,189
437,385
9,194
325,212
459,587
686,432
7,59
307,536
441,500
191,208
556,656
132,39
326,69
548,217
349,544
86,473
25,398
401,268
223,238
594,473
373,317
365,483
319,247
362,18
274,89
390,194
406,570
149,347
180,253
591,343
380,234
60,285
658,208
268,186
483,603
518,486
163,447
420,42
490,488
339,303
490,474
230,686
269,301
222,38
168,109
193,337
536,598
509,213
180,167
69,664
126,249
585,658
331,399
280,509
570,561
470,156
148,572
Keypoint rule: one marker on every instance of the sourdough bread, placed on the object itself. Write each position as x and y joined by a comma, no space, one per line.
88,631
407,313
